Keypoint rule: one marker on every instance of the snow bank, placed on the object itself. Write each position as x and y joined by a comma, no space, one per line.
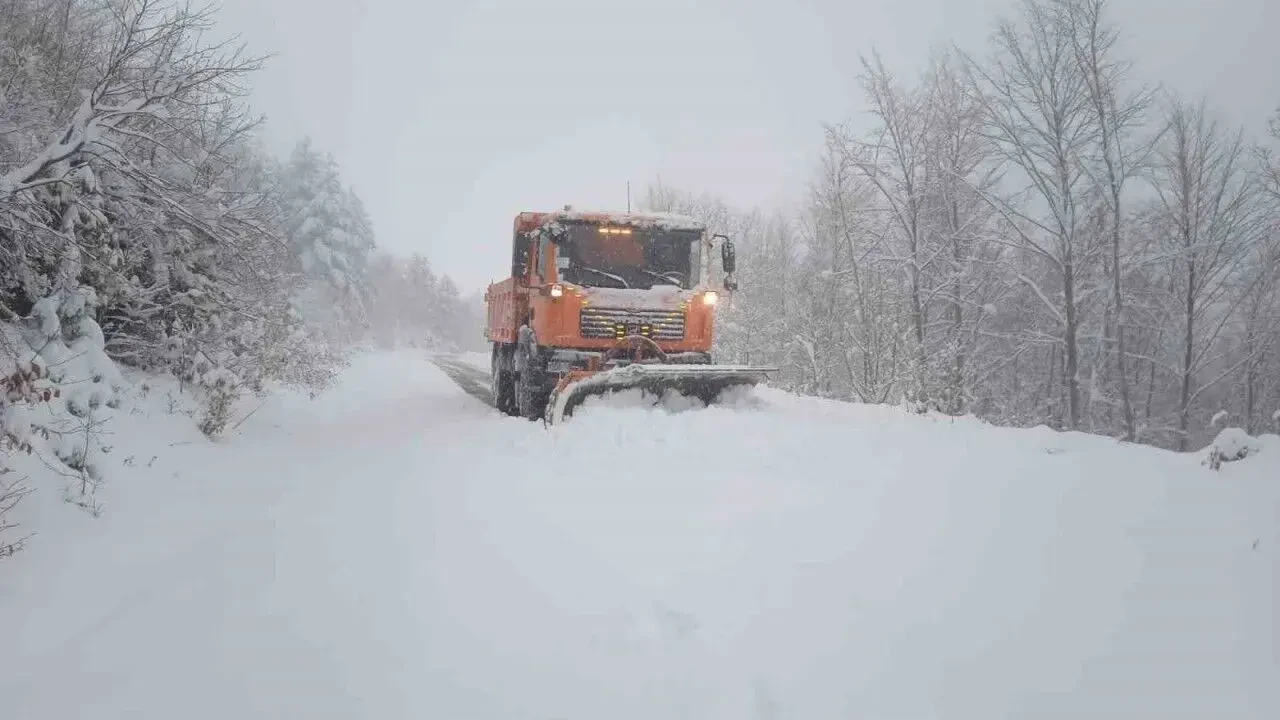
827,560
394,550
671,401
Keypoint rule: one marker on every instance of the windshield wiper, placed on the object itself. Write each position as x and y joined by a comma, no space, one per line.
606,274
664,278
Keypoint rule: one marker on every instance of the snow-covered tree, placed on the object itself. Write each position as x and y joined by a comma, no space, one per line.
1208,218
331,235
1040,122
1119,116
1020,236
410,304
142,223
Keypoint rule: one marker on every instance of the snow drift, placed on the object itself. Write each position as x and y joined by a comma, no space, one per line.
395,549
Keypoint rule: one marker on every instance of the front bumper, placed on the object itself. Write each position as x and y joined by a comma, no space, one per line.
563,360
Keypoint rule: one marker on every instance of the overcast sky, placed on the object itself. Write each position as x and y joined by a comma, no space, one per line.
448,118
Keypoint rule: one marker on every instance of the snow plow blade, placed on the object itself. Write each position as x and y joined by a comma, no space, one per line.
705,382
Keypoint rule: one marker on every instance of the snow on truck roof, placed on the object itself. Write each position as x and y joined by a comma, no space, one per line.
527,221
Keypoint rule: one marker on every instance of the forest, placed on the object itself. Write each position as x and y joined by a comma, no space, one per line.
144,226
1023,233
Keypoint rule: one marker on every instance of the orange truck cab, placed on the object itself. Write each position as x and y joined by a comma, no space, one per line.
589,291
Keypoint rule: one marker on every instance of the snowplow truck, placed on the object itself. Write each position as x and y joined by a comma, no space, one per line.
602,302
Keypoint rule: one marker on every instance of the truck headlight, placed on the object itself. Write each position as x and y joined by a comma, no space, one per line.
557,290
710,297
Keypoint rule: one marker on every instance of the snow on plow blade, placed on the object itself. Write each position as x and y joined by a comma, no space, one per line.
702,381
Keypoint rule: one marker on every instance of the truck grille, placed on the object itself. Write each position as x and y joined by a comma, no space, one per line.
605,322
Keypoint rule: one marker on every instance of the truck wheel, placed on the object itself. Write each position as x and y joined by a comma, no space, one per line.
526,397
530,398
501,382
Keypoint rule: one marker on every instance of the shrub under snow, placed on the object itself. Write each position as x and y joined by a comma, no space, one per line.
58,359
1232,444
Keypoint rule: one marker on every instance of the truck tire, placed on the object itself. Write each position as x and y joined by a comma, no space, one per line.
530,396
527,398
502,383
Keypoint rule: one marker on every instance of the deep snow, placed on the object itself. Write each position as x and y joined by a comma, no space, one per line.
395,549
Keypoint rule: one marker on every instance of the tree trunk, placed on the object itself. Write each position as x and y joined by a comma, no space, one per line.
1122,368
917,320
921,395
1251,379
1051,388
1188,357
956,400
1070,373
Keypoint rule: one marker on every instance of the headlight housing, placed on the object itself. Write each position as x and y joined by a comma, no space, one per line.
710,297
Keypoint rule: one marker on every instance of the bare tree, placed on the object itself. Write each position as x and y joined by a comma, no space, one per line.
1271,163
1117,116
862,310
955,181
1208,217
1040,122
1260,320
987,247
892,160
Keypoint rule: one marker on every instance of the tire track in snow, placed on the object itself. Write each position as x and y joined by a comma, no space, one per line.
472,380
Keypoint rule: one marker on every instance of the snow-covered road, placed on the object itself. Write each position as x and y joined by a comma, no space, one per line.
396,549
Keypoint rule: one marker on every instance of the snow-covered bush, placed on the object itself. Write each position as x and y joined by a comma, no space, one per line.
21,386
1232,444
11,493
61,337
220,389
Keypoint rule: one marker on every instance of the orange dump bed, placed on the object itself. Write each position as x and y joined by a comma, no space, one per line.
507,302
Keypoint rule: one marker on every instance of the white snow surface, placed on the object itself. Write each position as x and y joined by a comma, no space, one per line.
394,549
663,220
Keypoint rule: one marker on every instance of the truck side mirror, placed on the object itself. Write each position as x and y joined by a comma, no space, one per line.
519,255
728,257
727,254
727,261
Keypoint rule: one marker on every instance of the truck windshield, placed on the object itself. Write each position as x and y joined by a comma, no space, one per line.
629,257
